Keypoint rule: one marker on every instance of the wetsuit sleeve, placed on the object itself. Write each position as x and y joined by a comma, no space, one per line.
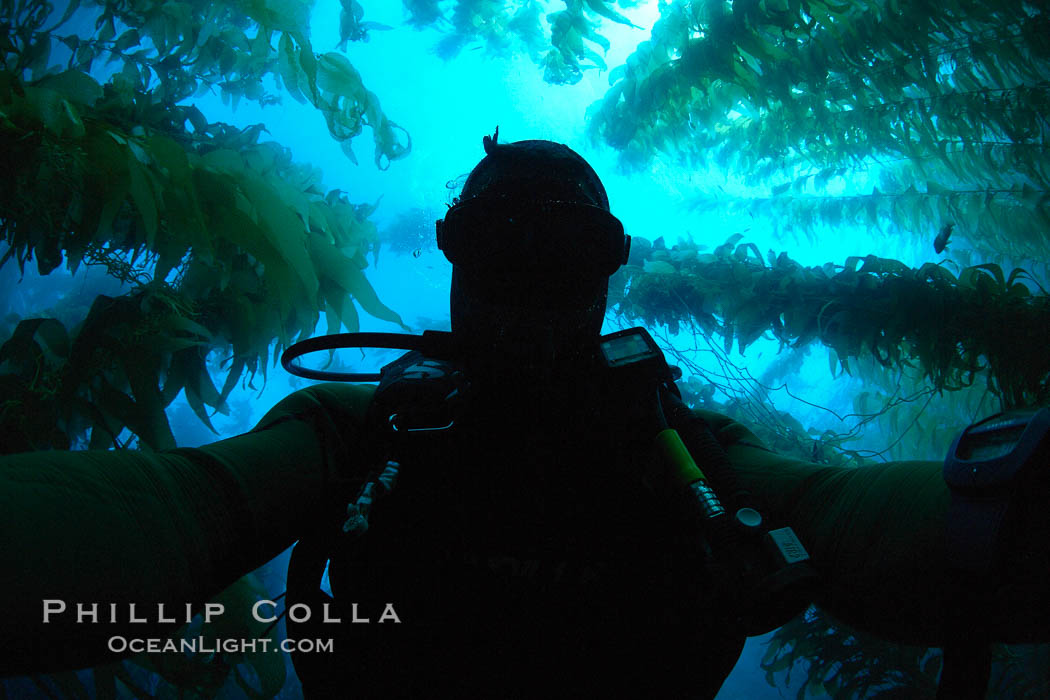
876,535
174,527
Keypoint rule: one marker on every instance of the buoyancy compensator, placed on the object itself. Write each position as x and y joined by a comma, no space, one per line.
452,510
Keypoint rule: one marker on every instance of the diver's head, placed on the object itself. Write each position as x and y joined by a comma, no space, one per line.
532,245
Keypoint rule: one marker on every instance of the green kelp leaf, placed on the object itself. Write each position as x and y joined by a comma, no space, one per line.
348,150
881,266
130,414
936,273
341,309
338,268
750,323
1031,195
332,321
759,47
936,188
205,388
143,194
724,250
126,40
658,267
197,120
236,369
350,26
742,250
21,348
283,229
773,647
190,368
104,427
336,75
85,56
150,422
323,220
308,62
161,344
354,8
56,113
296,200
169,156
197,404
35,55
289,66
223,159
181,323
263,160
995,271
602,7
1017,274
74,85
71,7
852,262
388,146
55,337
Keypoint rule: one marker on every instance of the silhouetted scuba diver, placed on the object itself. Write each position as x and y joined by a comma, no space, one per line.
526,508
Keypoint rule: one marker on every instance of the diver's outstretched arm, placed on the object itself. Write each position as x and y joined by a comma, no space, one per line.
121,527
876,534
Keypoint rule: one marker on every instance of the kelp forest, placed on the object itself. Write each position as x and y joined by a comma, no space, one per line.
216,249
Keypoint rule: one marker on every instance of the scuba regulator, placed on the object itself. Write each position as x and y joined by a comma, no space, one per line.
764,570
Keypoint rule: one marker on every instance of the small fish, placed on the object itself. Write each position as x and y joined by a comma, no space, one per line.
941,241
417,252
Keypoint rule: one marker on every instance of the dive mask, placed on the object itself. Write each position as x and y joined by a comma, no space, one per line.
555,236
